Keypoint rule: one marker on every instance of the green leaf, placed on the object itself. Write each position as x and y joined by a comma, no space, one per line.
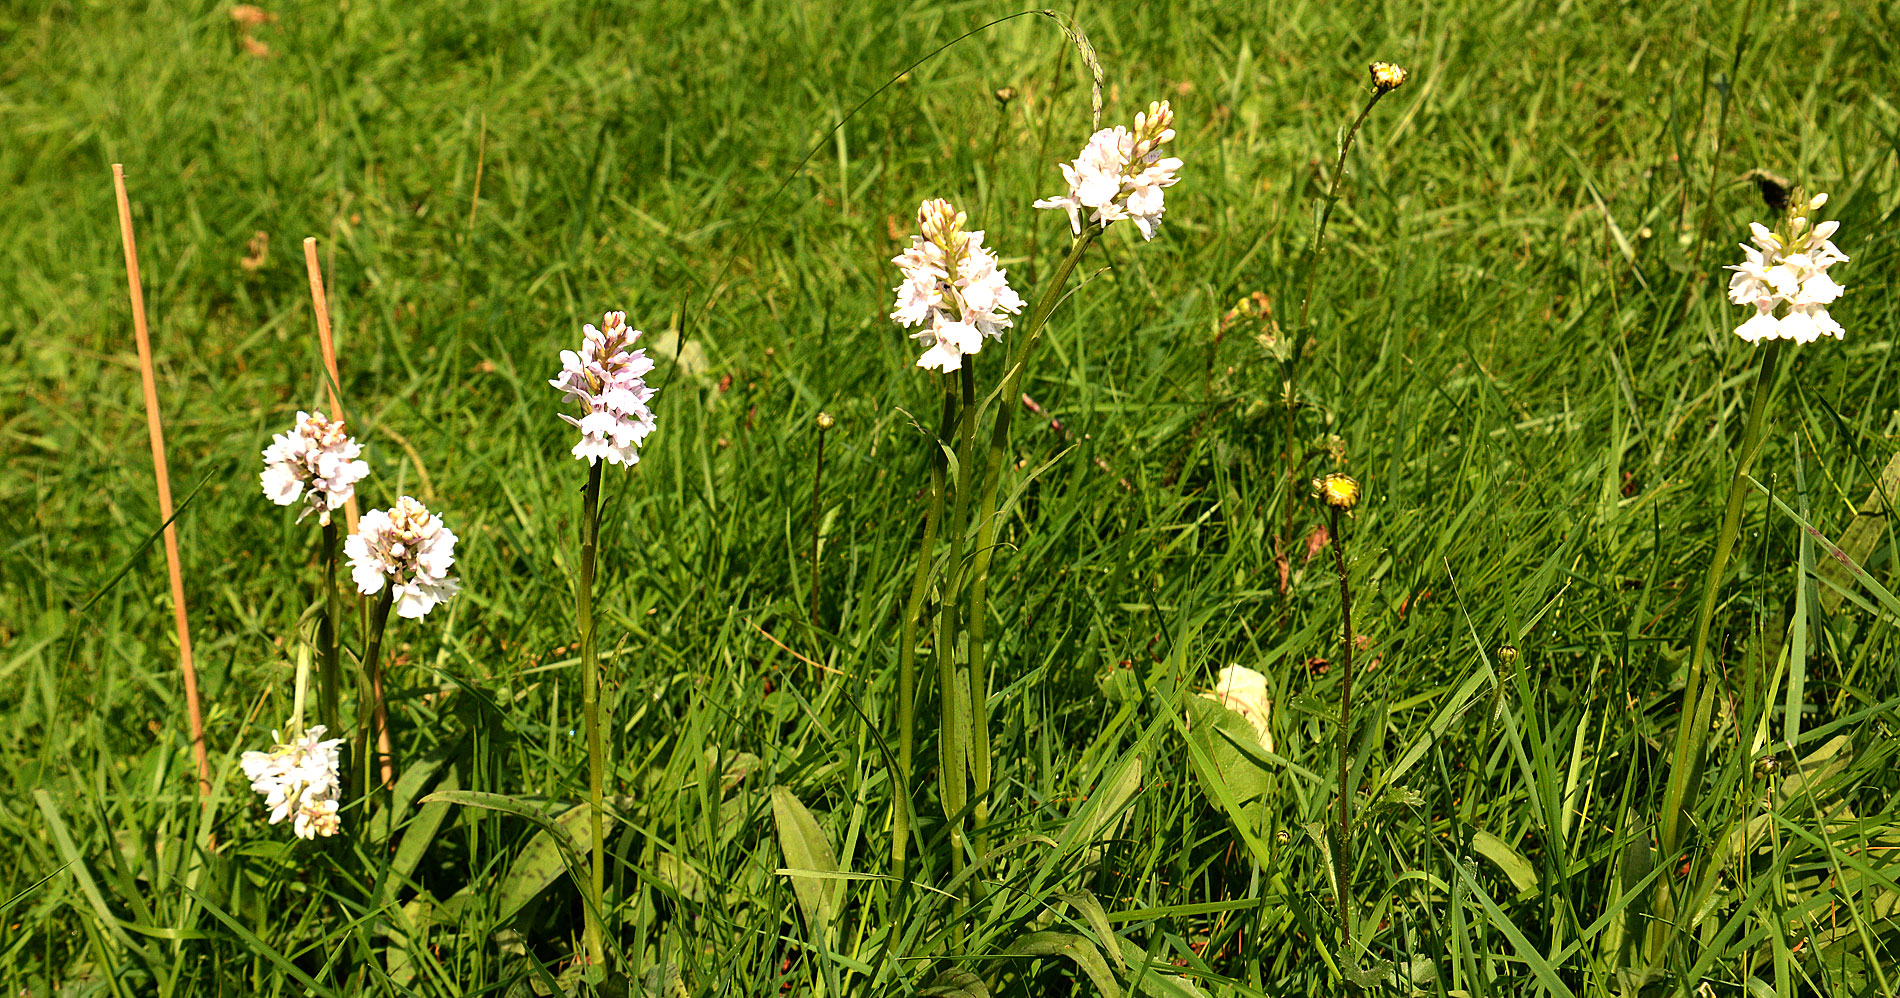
806,847
955,982
1096,916
1076,948
562,843
1224,736
1514,866
1153,982
1101,814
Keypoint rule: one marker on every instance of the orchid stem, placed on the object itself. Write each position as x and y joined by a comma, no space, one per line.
590,708
1008,399
907,650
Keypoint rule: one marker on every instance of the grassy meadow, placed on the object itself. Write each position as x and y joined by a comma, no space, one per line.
1520,346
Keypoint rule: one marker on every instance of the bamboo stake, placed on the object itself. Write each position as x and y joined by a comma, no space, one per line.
321,304
157,433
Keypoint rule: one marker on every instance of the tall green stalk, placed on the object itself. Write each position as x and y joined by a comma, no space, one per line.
1698,694
1343,859
907,649
1302,333
953,754
1007,401
329,635
590,709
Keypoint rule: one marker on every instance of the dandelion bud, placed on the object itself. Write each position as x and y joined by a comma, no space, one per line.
1387,77
825,422
1767,765
1507,654
1338,491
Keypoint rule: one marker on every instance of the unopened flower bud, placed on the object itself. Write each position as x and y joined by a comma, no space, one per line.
1767,765
1507,654
1005,94
1337,490
1819,200
1387,77
825,422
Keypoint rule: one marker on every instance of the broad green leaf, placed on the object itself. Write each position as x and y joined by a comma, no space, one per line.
806,847
1090,907
955,982
1101,814
1223,735
1514,866
1076,948
562,843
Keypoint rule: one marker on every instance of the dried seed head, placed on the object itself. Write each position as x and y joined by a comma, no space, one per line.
825,422
1336,490
1387,76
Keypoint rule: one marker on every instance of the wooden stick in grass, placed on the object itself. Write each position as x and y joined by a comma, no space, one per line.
321,305
157,433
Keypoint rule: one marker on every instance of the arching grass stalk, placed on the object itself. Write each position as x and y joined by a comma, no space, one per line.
1386,77
1340,493
1007,400
590,711
907,648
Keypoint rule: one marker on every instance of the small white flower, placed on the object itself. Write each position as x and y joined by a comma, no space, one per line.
407,548
952,289
1121,174
608,379
1243,690
299,781
1788,274
318,461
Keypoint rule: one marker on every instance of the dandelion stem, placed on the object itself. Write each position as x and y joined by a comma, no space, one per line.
907,650
1342,870
1302,331
1697,694
1008,399
817,483
329,635
590,708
